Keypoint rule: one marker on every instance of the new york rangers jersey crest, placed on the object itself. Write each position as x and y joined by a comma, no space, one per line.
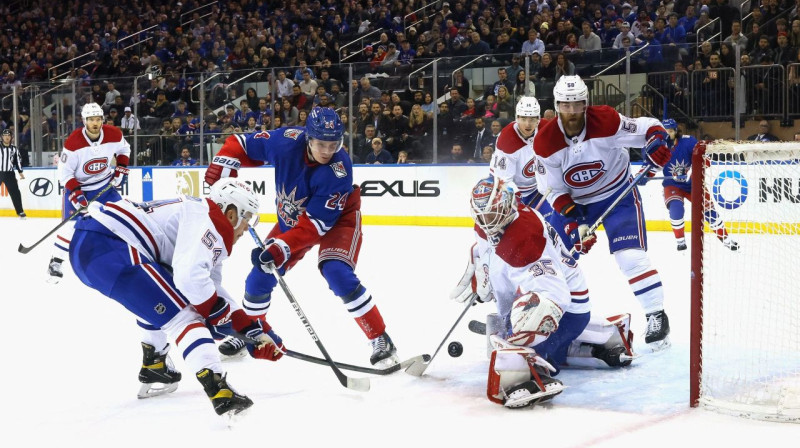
289,207
339,169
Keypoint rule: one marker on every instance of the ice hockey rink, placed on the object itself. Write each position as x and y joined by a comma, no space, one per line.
71,359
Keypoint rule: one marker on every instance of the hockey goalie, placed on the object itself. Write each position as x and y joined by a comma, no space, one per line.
543,321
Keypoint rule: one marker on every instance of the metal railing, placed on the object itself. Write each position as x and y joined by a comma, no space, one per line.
699,34
461,68
420,69
792,90
71,61
414,13
136,34
628,54
200,84
192,11
360,41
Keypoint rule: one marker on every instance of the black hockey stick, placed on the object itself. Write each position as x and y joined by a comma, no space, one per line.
359,384
24,250
418,368
477,327
370,370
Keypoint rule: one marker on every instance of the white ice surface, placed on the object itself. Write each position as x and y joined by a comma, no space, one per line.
71,356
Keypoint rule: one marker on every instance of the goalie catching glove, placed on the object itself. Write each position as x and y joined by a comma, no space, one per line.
475,280
263,343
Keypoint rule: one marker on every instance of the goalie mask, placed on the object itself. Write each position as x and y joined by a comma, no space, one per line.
493,204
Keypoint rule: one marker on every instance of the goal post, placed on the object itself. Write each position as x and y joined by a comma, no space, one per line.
745,310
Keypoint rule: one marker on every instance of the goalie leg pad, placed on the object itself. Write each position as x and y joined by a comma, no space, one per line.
518,377
604,343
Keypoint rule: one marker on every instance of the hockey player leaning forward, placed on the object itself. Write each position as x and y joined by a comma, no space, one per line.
584,161
542,303
162,260
316,204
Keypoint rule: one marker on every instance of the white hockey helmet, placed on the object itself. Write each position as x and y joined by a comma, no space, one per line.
91,110
493,204
570,89
528,106
231,191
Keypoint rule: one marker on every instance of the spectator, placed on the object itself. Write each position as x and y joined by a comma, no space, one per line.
763,134
505,103
784,54
503,80
290,113
589,42
445,123
477,46
767,86
456,155
283,85
161,108
480,138
487,152
363,145
302,117
736,37
308,85
563,66
129,123
111,93
299,99
625,31
533,44
523,86
513,70
455,103
378,118
419,125
461,84
379,155
402,158
715,90
185,159
689,19
428,106
396,132
762,49
608,33
390,59
367,90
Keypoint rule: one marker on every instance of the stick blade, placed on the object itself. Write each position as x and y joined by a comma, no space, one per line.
358,384
23,250
418,367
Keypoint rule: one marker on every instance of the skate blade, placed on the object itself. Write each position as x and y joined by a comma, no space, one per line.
238,356
53,280
659,346
387,362
551,390
234,417
150,390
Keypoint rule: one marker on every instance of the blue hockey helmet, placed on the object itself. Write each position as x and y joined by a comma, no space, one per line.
324,124
669,123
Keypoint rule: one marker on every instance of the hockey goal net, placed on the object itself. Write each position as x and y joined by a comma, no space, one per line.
745,331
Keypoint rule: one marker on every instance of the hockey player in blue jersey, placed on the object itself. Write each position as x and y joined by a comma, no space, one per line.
162,260
316,204
678,186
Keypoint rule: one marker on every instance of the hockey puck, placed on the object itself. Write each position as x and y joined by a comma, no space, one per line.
455,349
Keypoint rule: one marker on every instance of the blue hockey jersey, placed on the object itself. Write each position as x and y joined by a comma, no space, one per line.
305,190
677,172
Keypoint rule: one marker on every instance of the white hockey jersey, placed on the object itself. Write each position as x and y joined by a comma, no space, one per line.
593,165
530,258
189,234
86,164
514,160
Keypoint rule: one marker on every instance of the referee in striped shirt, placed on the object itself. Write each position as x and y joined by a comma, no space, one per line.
9,160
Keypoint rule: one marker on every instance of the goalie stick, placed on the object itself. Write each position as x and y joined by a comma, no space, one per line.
24,250
418,368
359,384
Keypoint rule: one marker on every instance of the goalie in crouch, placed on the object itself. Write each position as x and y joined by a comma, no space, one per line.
542,301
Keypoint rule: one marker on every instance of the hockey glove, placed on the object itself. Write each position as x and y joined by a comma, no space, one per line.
579,237
266,343
216,310
646,178
120,175
222,166
274,255
475,280
656,150
78,200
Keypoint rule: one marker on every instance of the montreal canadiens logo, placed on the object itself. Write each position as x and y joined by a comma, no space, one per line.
95,166
530,169
584,174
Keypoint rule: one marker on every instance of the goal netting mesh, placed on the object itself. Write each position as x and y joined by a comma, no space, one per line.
746,302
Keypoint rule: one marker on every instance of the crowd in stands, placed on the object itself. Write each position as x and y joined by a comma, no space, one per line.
303,40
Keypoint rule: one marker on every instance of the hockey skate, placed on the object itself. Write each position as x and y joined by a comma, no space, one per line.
730,244
226,401
681,244
157,375
657,336
54,269
530,392
232,348
22,215
383,351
